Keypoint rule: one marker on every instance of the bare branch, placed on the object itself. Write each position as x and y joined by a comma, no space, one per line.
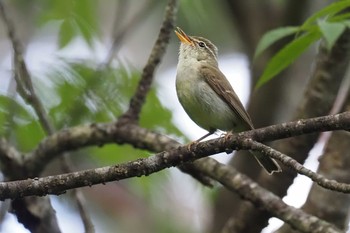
172,157
228,176
262,198
293,164
10,158
154,59
99,134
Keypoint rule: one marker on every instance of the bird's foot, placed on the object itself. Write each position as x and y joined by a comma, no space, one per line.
191,145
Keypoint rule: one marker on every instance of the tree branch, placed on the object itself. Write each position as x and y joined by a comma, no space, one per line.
262,198
173,157
294,165
228,176
137,101
98,134
27,92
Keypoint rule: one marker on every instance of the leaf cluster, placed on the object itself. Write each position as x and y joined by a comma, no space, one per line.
328,24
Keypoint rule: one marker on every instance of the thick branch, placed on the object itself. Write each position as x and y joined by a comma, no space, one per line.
226,175
99,134
260,197
172,157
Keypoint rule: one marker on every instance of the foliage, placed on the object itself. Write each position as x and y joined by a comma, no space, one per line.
328,23
76,17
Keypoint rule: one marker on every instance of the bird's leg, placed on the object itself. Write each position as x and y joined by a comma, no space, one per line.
205,136
189,146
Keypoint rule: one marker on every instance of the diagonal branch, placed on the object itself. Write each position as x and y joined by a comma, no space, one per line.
137,101
294,165
262,198
26,90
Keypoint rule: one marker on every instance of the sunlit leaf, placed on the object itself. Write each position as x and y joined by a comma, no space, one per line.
287,55
272,36
331,31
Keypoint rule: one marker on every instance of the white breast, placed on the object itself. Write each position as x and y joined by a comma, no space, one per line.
200,102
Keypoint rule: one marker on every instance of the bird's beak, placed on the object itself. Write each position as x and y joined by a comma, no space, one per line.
183,37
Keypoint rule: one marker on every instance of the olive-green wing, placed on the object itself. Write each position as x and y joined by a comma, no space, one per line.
218,82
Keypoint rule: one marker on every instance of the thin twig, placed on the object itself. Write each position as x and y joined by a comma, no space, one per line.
299,168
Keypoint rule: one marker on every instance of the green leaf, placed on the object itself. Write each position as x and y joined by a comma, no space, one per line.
11,106
339,17
12,113
66,33
331,9
112,154
155,116
287,55
272,36
331,32
28,135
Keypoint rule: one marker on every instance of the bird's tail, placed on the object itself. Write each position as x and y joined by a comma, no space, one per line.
269,164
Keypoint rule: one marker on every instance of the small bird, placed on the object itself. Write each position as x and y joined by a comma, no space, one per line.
207,96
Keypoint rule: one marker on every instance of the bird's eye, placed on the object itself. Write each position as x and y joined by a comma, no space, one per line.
201,44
